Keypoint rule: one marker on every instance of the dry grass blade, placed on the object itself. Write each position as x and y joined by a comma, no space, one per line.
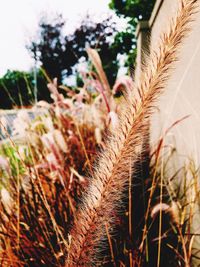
96,61
42,177
112,172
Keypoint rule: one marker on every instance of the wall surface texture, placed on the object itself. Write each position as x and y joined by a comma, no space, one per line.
181,97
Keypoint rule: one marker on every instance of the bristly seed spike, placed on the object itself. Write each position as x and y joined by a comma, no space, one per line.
112,173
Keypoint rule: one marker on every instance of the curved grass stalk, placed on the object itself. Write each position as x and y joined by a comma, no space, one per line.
112,171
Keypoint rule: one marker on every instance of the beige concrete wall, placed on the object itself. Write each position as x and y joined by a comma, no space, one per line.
143,41
182,95
181,98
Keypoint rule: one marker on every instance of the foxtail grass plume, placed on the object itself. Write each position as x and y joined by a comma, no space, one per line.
111,173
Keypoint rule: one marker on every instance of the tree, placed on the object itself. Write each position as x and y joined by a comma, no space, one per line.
49,48
59,54
17,89
134,11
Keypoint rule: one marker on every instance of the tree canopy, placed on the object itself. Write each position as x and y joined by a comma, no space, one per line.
17,89
133,11
59,54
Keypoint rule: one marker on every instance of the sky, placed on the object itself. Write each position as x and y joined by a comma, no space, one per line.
19,23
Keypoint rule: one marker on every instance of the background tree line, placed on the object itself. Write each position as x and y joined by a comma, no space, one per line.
59,54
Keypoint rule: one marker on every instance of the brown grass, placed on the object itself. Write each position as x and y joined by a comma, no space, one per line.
111,173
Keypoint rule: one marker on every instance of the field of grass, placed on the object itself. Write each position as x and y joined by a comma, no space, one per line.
84,187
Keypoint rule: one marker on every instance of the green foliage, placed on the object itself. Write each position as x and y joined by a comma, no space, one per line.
59,54
15,163
17,89
133,10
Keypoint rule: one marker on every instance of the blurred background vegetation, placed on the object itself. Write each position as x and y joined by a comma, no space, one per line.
44,172
59,55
